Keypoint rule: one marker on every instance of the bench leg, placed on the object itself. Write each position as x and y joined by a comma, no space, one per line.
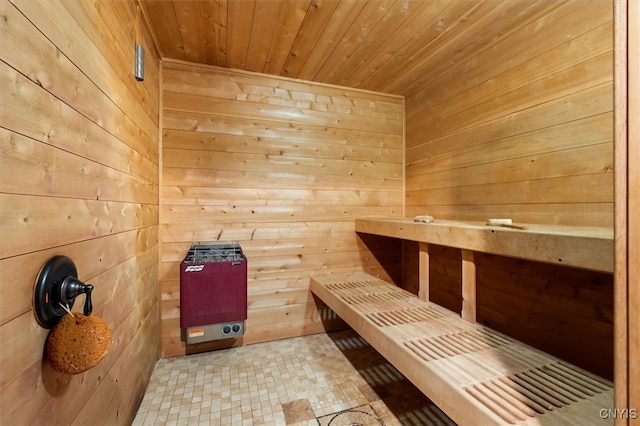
423,272
468,286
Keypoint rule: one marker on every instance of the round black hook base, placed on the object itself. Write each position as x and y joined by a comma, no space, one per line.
46,295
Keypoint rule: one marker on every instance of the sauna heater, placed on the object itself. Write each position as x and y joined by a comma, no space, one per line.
213,292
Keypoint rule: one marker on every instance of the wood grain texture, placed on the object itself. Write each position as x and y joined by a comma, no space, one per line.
468,312
509,114
564,311
634,204
576,246
460,365
78,176
283,167
627,155
513,137
393,46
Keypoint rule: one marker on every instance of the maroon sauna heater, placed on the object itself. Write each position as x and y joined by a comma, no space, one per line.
213,292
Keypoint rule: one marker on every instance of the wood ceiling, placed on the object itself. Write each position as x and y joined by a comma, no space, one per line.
392,46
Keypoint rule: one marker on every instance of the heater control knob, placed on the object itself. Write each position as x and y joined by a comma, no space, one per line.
226,329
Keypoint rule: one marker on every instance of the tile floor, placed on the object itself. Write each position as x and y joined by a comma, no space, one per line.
330,379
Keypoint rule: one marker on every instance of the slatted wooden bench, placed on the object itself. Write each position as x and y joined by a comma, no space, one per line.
476,375
574,246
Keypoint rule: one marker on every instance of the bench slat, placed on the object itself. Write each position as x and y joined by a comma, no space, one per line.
474,374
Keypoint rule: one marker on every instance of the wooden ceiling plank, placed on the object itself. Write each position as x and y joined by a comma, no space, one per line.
239,23
376,42
456,31
366,21
408,47
292,15
165,25
341,20
315,21
429,33
215,31
262,32
403,44
190,23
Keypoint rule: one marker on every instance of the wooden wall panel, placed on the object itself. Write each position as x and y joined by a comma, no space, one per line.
521,128
283,167
78,176
563,311
520,133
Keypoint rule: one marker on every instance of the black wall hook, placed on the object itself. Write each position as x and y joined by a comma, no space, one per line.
57,285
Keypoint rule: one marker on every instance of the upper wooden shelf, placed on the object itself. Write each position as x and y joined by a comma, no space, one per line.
575,246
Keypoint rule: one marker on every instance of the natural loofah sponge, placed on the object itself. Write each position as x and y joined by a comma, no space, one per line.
77,343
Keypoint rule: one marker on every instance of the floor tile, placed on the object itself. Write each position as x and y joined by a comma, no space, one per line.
297,411
304,381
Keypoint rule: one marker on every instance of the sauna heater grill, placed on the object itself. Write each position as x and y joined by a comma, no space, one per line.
213,292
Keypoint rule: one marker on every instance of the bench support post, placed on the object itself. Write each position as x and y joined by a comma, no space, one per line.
423,272
468,286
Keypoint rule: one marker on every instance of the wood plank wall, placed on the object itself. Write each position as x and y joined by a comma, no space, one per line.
79,177
283,167
523,129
